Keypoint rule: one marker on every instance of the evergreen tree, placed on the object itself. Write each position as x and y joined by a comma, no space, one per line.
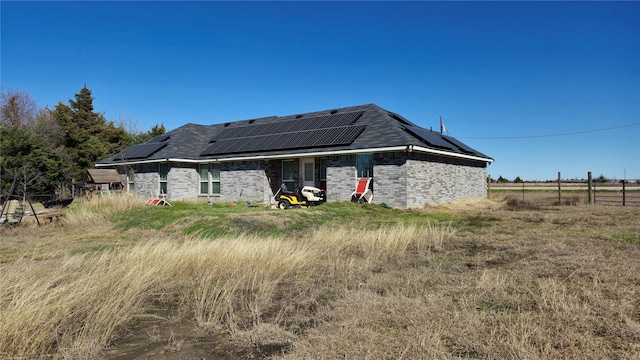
23,155
24,152
87,136
47,148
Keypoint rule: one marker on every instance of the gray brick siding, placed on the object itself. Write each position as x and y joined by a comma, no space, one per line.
147,180
341,177
403,180
390,179
244,181
182,182
438,182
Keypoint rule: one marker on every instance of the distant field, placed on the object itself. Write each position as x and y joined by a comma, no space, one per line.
578,186
494,279
570,194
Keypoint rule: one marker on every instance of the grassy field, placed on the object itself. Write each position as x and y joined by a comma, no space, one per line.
491,279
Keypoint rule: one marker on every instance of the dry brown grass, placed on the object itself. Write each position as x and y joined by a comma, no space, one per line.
98,209
533,282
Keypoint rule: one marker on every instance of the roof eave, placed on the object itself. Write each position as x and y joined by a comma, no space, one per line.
407,148
450,154
299,154
126,163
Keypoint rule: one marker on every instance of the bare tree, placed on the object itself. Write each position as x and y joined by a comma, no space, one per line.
47,129
17,109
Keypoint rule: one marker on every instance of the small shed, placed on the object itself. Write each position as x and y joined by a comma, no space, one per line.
102,181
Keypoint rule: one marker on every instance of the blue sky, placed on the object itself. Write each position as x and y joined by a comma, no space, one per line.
501,74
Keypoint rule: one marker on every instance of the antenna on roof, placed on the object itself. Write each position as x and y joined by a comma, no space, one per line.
442,127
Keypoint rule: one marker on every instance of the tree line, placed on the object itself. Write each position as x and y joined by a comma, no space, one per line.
50,149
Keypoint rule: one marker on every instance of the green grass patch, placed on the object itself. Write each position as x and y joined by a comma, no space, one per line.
628,236
223,219
7,254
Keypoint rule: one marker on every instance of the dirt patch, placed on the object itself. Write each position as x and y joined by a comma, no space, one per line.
257,222
161,338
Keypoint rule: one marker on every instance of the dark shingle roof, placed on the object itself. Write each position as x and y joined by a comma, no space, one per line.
347,129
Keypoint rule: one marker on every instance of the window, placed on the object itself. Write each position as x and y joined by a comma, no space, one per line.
163,171
209,179
288,167
131,180
323,169
204,179
322,164
308,171
364,165
215,178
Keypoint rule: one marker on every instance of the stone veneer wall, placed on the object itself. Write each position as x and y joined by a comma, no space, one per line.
183,182
146,180
390,179
400,180
341,177
444,180
410,180
244,180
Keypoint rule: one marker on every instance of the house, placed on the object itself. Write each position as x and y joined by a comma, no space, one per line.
249,160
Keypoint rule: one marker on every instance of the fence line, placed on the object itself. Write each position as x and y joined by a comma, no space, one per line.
618,196
599,191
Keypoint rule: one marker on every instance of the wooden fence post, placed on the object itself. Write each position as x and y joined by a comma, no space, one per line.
589,187
559,197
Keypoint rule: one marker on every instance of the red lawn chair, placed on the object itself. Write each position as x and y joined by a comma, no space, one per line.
362,193
158,202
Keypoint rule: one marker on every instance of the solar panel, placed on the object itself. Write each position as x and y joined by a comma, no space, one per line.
289,126
461,145
399,118
142,151
343,135
160,138
431,138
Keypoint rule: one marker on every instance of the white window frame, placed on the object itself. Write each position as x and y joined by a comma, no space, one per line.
215,180
323,169
368,172
163,176
131,179
212,180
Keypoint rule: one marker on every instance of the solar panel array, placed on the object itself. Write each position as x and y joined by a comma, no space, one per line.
317,131
461,145
142,151
441,141
343,135
284,127
431,138
160,138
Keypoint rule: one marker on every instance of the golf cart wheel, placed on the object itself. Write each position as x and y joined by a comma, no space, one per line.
283,204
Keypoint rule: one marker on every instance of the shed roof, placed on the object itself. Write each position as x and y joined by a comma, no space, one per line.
103,176
362,128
